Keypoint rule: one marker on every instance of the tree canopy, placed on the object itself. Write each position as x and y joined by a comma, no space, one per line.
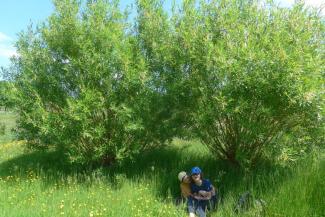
236,74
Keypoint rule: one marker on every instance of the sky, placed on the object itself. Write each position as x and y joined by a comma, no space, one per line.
16,15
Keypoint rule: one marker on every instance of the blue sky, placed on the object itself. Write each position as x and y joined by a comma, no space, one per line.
16,15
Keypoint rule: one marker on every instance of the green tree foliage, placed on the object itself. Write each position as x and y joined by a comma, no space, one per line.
79,83
257,71
5,95
169,90
237,74
4,103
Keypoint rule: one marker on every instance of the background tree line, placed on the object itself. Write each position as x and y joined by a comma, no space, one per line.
245,77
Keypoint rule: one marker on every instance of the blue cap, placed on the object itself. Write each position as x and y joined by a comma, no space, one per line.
195,170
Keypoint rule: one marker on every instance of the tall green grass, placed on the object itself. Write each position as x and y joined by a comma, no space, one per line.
44,184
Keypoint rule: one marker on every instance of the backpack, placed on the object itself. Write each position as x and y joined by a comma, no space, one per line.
247,202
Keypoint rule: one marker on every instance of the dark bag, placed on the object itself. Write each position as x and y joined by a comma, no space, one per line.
246,202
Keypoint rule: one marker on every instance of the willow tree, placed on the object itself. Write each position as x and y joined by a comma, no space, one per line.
256,71
237,74
169,97
79,83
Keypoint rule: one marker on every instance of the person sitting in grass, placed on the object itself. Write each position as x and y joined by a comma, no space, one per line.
194,198
202,194
186,194
185,185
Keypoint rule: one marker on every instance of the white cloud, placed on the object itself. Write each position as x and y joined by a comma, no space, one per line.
6,47
319,4
4,37
315,3
7,51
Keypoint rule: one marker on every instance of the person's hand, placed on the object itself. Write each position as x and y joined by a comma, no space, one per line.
204,193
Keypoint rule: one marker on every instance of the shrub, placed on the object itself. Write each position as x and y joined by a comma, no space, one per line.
5,93
237,74
79,84
256,72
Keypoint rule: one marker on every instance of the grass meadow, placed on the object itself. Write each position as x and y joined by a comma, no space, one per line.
35,184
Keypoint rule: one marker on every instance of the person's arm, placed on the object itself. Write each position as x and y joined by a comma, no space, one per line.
208,192
185,191
206,195
199,195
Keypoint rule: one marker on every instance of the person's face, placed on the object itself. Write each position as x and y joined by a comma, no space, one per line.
196,177
187,179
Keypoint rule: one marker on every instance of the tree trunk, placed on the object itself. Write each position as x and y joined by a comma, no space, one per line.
231,157
108,160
